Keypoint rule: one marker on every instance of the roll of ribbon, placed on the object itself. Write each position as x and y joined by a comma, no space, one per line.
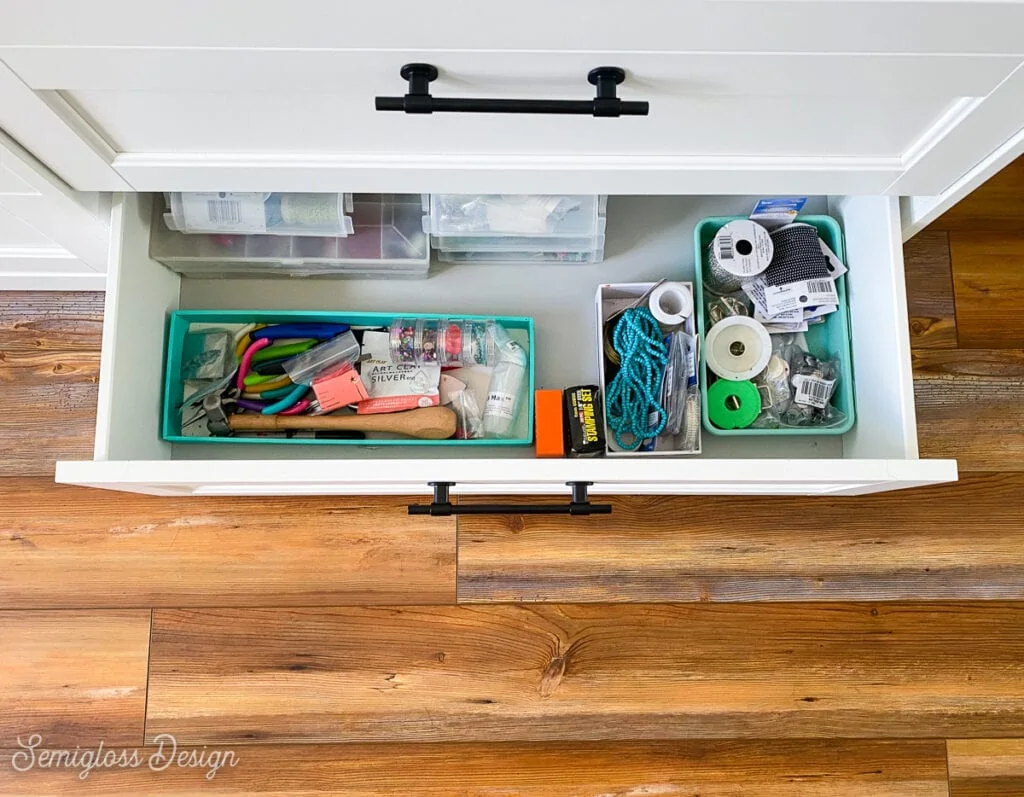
671,303
733,405
737,348
797,257
740,251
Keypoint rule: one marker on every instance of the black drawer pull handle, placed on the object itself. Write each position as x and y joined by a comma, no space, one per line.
442,506
606,103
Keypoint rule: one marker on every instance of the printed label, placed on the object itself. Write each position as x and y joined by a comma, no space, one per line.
501,404
774,329
794,316
812,391
777,211
384,378
223,211
755,290
743,248
808,293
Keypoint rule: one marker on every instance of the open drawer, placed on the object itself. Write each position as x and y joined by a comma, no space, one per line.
647,238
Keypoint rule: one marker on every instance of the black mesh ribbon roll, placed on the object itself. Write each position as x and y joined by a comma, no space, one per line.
798,256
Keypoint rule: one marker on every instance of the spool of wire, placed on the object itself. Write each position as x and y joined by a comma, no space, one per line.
733,405
740,251
609,348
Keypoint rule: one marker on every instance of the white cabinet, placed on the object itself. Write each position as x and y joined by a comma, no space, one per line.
648,237
51,238
856,103
746,96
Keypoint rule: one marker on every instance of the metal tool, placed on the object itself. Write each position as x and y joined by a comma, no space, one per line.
217,420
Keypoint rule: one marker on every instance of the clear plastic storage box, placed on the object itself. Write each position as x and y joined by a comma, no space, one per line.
387,240
523,257
256,212
529,215
522,243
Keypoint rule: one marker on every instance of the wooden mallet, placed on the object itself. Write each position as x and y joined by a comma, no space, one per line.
426,423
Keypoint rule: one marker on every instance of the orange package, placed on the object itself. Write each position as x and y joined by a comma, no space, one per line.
548,428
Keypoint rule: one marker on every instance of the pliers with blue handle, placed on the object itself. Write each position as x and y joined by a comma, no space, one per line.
318,331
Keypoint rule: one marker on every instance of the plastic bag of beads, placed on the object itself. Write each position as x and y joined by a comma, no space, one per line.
734,304
812,383
469,418
775,391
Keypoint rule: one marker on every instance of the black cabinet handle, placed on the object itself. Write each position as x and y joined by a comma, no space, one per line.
605,103
442,506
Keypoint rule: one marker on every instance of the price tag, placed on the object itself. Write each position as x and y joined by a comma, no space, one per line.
812,391
224,211
807,293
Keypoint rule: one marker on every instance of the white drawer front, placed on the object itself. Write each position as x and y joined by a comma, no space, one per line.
648,237
51,238
801,97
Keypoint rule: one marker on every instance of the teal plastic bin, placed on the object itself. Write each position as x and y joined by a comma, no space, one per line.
520,329
830,340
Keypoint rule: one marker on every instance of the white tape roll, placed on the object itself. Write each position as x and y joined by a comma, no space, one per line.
740,251
671,303
737,348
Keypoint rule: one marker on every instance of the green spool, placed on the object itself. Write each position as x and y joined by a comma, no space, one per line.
733,405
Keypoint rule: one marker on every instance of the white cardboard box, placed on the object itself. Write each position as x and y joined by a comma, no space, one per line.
610,298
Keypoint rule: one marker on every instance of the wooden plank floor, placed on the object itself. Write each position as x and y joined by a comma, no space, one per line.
120,549
709,768
986,767
586,672
891,546
73,677
49,374
966,301
716,646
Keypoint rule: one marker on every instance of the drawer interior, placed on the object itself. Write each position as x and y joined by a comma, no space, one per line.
647,238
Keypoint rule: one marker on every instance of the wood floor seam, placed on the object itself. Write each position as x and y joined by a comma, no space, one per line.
149,665
952,298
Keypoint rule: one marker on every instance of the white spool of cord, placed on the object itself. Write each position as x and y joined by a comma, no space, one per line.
737,348
671,303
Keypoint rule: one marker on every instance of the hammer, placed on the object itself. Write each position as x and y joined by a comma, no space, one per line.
425,423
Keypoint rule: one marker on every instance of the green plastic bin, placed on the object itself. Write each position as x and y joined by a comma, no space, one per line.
520,328
830,340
